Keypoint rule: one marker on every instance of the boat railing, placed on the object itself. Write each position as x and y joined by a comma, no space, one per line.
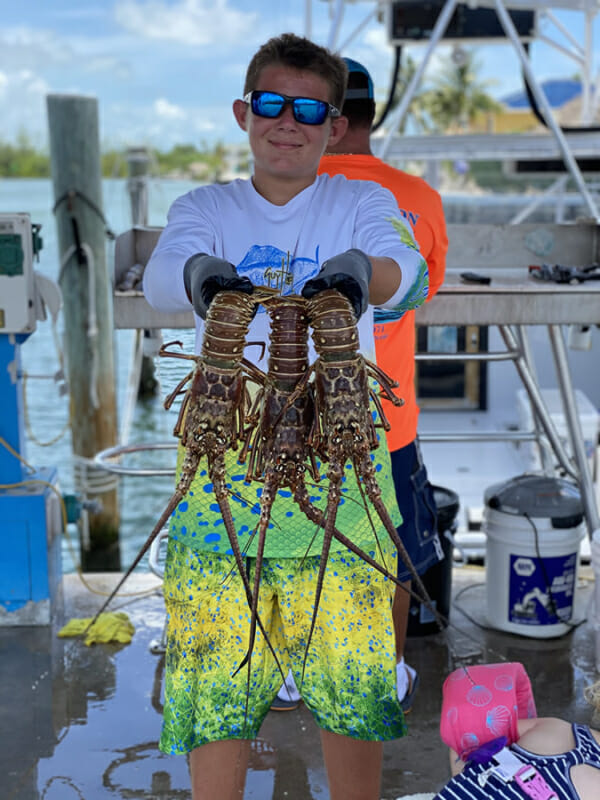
109,460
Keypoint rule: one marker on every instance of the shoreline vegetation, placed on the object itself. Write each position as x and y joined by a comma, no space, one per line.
207,164
221,163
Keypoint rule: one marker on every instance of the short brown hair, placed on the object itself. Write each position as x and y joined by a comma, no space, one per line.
299,53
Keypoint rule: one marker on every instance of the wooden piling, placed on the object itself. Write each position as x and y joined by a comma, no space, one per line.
138,167
87,294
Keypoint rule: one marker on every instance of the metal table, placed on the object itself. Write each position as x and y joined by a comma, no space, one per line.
512,303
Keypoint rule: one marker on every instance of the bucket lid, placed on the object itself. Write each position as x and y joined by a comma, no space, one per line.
445,499
538,496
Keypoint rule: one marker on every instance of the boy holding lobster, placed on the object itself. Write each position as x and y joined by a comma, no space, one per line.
289,229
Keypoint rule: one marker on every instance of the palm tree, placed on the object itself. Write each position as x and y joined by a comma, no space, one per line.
417,111
456,96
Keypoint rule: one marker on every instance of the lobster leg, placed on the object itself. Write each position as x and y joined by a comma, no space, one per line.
176,498
170,399
211,416
333,498
315,515
221,494
344,429
278,452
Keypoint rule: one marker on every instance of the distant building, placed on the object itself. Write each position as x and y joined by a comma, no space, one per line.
557,91
237,162
516,116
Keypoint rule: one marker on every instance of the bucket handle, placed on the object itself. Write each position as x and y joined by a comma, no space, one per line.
449,535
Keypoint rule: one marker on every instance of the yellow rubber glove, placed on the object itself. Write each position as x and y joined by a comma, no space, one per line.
112,626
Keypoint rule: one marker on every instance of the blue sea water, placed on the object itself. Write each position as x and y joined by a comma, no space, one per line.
142,499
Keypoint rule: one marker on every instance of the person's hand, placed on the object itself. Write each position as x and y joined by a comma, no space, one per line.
349,273
204,276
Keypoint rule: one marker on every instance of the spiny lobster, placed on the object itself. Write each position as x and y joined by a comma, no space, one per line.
212,414
293,428
343,428
278,447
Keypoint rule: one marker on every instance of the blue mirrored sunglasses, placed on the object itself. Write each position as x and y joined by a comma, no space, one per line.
305,109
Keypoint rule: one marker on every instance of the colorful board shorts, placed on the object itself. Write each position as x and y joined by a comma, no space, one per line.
349,681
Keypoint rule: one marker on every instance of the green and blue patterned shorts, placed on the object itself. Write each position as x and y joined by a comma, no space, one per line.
349,681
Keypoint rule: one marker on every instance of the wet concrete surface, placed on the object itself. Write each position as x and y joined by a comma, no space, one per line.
84,722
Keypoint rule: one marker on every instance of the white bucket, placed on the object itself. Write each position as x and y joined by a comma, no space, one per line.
531,568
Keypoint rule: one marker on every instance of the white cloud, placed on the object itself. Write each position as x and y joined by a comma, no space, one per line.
377,39
23,95
36,62
33,84
192,22
163,125
28,47
44,51
163,108
203,125
111,65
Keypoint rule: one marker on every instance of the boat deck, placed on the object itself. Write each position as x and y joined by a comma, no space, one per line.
83,722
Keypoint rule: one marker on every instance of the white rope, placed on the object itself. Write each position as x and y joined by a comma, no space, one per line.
89,480
133,383
59,379
92,479
92,329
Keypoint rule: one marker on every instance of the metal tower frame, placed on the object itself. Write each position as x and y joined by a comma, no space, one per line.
582,55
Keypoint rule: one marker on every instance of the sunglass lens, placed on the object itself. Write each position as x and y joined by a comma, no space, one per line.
310,112
267,104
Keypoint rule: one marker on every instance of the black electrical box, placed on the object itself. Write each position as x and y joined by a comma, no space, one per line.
550,167
414,21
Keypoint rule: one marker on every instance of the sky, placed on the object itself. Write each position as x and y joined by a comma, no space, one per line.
165,72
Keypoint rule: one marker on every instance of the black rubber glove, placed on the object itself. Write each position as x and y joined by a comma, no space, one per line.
204,276
349,273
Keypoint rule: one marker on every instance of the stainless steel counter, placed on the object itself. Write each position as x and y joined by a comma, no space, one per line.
512,298
502,252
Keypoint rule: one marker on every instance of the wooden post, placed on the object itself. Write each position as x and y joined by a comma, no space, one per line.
138,164
87,295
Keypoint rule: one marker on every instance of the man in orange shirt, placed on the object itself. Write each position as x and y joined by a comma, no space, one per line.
395,343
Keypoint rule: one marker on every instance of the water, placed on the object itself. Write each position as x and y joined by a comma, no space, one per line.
47,413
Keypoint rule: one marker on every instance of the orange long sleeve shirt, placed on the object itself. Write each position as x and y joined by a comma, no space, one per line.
395,341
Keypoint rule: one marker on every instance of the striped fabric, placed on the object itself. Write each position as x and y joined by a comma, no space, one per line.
554,769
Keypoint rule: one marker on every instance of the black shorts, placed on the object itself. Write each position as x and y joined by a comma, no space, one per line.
417,504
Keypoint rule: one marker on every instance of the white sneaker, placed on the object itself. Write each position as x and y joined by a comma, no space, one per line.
407,682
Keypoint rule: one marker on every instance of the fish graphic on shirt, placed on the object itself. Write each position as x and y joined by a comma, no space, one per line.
266,265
